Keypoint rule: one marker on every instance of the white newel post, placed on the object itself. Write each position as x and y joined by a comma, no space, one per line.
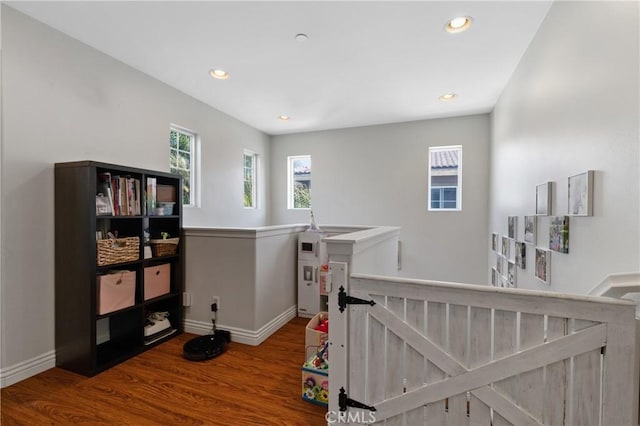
338,322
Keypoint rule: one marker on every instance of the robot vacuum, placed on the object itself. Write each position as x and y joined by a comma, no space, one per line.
206,347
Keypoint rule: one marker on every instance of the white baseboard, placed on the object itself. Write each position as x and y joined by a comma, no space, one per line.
25,369
241,335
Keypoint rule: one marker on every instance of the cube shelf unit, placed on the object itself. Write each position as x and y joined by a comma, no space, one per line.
88,342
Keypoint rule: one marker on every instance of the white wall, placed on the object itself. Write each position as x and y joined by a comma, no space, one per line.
64,101
377,175
572,105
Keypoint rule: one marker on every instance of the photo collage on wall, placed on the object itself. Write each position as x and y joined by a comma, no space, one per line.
509,256
511,253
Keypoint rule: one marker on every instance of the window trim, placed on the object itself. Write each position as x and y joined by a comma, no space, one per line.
459,175
194,169
254,178
290,181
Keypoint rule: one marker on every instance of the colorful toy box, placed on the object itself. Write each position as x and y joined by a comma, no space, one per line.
315,377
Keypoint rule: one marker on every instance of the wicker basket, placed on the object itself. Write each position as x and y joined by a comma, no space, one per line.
166,247
118,250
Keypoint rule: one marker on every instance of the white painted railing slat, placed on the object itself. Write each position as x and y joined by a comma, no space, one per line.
457,349
479,354
436,332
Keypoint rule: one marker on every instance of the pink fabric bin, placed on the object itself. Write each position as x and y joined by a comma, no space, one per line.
116,291
157,280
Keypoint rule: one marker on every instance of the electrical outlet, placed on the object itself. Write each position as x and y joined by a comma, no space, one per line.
216,300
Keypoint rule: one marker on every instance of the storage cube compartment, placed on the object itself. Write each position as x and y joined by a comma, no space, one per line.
117,250
157,280
116,290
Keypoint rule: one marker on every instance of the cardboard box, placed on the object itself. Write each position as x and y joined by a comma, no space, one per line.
157,280
314,339
116,291
166,193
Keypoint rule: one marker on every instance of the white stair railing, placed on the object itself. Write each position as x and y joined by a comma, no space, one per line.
449,353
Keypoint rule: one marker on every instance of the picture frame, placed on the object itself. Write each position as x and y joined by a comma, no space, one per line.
495,242
504,282
543,199
511,274
559,234
543,265
580,194
530,229
505,247
512,226
521,255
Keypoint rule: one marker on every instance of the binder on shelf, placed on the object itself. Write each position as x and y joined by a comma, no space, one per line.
104,187
151,195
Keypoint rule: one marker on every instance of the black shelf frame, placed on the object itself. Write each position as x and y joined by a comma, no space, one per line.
76,222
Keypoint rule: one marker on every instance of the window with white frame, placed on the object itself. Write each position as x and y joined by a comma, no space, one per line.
445,178
182,159
250,169
299,182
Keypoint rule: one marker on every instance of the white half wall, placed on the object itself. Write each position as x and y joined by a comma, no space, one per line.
573,105
253,271
64,101
377,175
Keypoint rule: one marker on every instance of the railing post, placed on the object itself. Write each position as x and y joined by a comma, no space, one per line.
620,382
338,322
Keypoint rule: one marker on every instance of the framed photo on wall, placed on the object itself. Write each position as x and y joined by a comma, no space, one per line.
530,229
580,194
521,255
543,199
513,226
505,247
543,263
559,234
511,274
495,243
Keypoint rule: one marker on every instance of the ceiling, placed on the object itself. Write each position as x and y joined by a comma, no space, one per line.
362,63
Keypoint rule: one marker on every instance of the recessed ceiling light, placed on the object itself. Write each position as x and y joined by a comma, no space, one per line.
284,117
301,38
448,97
458,24
219,74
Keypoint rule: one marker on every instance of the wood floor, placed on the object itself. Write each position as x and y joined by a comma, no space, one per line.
247,385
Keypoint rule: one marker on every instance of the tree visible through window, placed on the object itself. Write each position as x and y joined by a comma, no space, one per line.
250,160
299,182
181,157
445,178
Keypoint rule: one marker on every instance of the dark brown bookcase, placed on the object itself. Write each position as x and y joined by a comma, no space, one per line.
88,342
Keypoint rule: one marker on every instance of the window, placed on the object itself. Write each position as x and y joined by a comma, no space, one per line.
445,178
299,182
250,161
182,153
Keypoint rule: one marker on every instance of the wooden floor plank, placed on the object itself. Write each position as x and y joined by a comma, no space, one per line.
247,385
